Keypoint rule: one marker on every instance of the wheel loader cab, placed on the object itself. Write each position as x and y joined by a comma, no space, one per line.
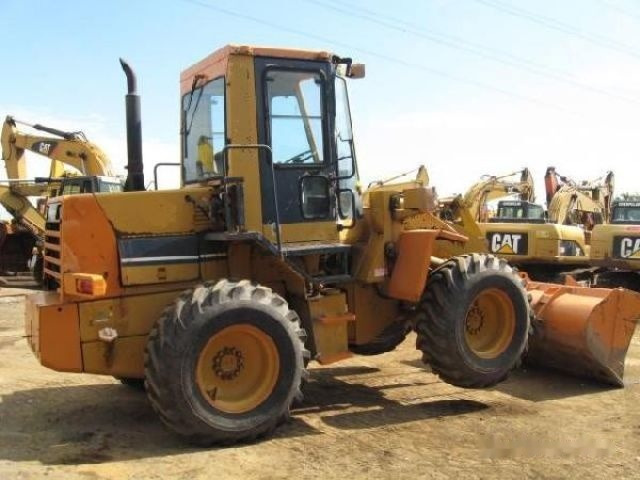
300,168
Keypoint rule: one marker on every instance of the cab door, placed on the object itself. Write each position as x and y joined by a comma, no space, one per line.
297,176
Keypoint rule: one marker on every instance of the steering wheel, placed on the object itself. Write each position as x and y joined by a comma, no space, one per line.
301,157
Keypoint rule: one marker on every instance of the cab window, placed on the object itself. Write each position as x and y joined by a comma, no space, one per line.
295,117
203,129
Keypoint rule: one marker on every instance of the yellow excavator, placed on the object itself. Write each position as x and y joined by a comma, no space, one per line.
91,173
615,246
491,188
546,244
585,203
64,148
469,212
218,295
519,228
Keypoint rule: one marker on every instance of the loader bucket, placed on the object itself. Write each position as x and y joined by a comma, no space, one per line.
582,331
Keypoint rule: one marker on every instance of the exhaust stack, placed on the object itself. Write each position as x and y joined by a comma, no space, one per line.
135,167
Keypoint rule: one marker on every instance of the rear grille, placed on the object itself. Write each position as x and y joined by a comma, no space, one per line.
52,252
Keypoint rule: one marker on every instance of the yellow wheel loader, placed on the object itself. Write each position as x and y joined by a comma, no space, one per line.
218,294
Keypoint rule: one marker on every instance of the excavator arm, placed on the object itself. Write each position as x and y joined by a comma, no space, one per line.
64,148
586,202
22,210
493,187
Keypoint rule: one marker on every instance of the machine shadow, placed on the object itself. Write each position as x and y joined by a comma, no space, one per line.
326,394
539,384
102,423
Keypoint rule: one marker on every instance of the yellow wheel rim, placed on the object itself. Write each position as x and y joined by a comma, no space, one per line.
238,368
490,323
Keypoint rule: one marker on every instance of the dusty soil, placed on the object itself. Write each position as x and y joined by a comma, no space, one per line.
369,417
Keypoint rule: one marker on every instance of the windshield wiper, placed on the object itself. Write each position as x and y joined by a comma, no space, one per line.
194,85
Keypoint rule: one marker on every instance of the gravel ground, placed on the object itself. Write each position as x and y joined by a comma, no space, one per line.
369,417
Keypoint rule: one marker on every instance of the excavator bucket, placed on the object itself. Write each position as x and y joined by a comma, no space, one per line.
582,331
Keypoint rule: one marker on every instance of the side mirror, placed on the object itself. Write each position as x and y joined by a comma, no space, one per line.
356,70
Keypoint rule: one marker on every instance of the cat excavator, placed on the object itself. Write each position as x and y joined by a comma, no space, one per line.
586,203
615,246
219,294
548,244
91,172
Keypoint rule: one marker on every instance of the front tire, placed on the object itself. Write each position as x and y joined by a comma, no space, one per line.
225,362
473,321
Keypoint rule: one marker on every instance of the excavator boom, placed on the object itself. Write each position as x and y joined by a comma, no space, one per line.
571,202
22,210
68,148
493,187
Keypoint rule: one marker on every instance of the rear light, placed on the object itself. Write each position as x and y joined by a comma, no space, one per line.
84,284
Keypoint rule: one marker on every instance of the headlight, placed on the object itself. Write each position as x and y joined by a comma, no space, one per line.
569,248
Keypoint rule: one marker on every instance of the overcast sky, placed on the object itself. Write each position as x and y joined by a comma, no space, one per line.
466,87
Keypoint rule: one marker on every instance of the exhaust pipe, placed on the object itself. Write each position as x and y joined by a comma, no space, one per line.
135,167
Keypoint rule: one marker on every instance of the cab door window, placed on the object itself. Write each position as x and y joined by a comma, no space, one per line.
295,117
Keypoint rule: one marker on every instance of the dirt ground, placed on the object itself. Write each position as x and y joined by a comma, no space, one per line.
369,417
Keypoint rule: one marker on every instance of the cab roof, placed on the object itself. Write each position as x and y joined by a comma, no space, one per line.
215,64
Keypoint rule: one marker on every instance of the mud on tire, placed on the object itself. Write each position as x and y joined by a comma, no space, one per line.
467,294
179,341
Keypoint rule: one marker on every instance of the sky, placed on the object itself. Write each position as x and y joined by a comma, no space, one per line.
465,87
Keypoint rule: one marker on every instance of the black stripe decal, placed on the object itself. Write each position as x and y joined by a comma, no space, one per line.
174,246
163,250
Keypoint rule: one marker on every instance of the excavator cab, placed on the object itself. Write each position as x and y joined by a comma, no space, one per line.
518,211
625,213
72,185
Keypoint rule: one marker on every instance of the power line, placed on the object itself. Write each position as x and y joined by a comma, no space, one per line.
619,9
457,43
397,61
560,26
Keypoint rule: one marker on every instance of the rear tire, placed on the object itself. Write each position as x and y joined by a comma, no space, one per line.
473,321
225,362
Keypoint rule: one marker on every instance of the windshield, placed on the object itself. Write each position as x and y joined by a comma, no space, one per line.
203,131
626,215
109,187
521,211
